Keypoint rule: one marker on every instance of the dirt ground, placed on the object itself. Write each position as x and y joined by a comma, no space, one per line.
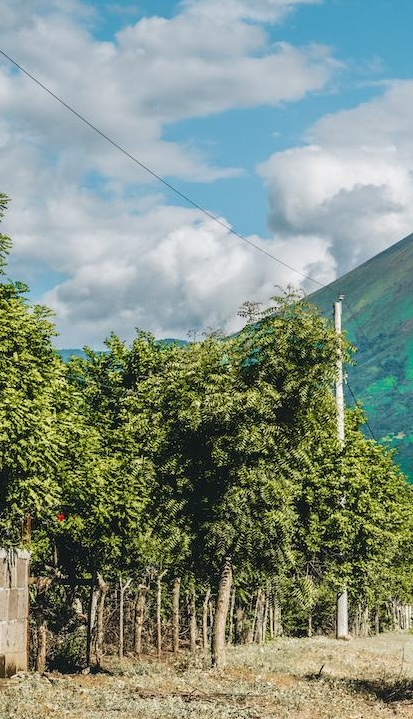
316,678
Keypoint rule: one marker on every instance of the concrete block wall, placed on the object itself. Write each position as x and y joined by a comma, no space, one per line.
14,611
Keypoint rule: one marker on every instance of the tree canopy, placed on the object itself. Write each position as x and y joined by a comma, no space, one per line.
199,460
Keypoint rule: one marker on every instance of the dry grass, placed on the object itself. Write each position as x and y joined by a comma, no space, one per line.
315,678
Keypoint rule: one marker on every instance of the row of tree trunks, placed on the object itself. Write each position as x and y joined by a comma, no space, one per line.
361,624
401,615
217,618
223,622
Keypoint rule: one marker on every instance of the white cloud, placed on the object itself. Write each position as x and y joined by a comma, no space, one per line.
259,10
83,210
163,268
352,185
169,276
157,72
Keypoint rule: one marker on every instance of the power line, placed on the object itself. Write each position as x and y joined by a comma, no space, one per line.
177,192
151,172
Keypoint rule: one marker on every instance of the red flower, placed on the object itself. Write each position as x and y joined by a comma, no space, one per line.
60,517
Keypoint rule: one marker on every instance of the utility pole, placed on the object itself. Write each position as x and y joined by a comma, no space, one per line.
342,599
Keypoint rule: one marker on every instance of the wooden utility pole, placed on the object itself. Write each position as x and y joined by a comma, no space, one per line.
342,599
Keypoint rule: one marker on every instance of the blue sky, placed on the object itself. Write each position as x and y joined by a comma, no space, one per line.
289,119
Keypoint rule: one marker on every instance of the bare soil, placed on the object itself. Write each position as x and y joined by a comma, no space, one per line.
316,678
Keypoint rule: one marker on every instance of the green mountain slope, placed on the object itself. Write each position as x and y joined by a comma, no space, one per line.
378,319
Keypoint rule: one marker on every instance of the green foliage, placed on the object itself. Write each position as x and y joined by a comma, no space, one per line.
158,459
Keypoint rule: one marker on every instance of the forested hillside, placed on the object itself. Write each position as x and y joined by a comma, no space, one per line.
207,478
378,318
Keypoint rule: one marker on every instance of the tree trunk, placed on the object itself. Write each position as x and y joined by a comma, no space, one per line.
139,617
271,611
211,615
377,620
365,622
205,642
221,612
259,616
43,583
239,625
278,627
265,622
192,622
99,631
251,631
122,590
310,625
91,618
158,614
231,617
175,614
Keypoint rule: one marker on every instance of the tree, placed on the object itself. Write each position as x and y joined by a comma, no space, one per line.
32,403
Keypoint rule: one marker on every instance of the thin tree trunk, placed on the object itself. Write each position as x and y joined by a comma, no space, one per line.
122,590
139,617
239,625
251,631
158,614
265,623
310,625
43,583
259,615
231,617
192,622
278,628
365,622
99,632
91,618
211,616
175,614
205,604
271,612
377,620
221,612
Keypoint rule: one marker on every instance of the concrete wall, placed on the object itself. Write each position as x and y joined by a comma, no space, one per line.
14,611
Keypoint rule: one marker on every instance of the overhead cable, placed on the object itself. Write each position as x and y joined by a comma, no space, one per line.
155,175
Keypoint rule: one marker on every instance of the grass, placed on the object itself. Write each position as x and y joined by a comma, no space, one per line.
315,678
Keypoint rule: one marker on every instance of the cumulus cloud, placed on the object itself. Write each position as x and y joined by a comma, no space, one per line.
351,184
193,275
156,72
121,255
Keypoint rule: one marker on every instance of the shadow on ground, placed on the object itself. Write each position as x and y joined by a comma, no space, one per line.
387,689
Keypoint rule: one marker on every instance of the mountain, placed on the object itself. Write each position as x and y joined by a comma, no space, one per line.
66,354
378,319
